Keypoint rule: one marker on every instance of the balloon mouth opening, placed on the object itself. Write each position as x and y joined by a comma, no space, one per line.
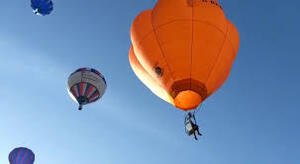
188,94
37,12
187,100
82,100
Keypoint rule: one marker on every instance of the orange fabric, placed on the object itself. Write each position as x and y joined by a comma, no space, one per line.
193,44
148,80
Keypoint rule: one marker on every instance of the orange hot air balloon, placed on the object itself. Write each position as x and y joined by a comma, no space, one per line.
183,50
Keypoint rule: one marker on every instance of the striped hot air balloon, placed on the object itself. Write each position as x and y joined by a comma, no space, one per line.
21,155
86,85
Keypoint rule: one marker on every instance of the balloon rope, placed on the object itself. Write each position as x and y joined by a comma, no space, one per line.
198,108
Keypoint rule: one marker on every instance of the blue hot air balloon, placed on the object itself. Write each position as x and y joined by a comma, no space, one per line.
21,155
42,7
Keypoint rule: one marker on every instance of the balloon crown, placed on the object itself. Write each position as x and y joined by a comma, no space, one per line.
198,2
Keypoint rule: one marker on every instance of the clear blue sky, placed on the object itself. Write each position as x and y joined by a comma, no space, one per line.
254,118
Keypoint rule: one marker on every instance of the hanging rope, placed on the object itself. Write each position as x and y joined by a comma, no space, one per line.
196,111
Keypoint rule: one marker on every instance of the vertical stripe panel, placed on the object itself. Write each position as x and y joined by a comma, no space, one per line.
81,88
19,155
93,95
29,159
87,89
84,89
78,90
24,156
92,90
74,91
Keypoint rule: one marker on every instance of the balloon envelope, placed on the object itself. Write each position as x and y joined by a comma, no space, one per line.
42,7
21,155
183,50
86,85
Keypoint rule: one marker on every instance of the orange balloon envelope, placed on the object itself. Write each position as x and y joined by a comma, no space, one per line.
183,50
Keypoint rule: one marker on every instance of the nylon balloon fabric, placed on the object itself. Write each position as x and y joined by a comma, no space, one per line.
86,85
183,50
21,156
42,7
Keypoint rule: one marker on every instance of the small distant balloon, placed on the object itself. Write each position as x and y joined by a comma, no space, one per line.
86,85
42,7
21,155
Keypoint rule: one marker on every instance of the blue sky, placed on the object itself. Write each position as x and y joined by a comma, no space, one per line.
254,118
